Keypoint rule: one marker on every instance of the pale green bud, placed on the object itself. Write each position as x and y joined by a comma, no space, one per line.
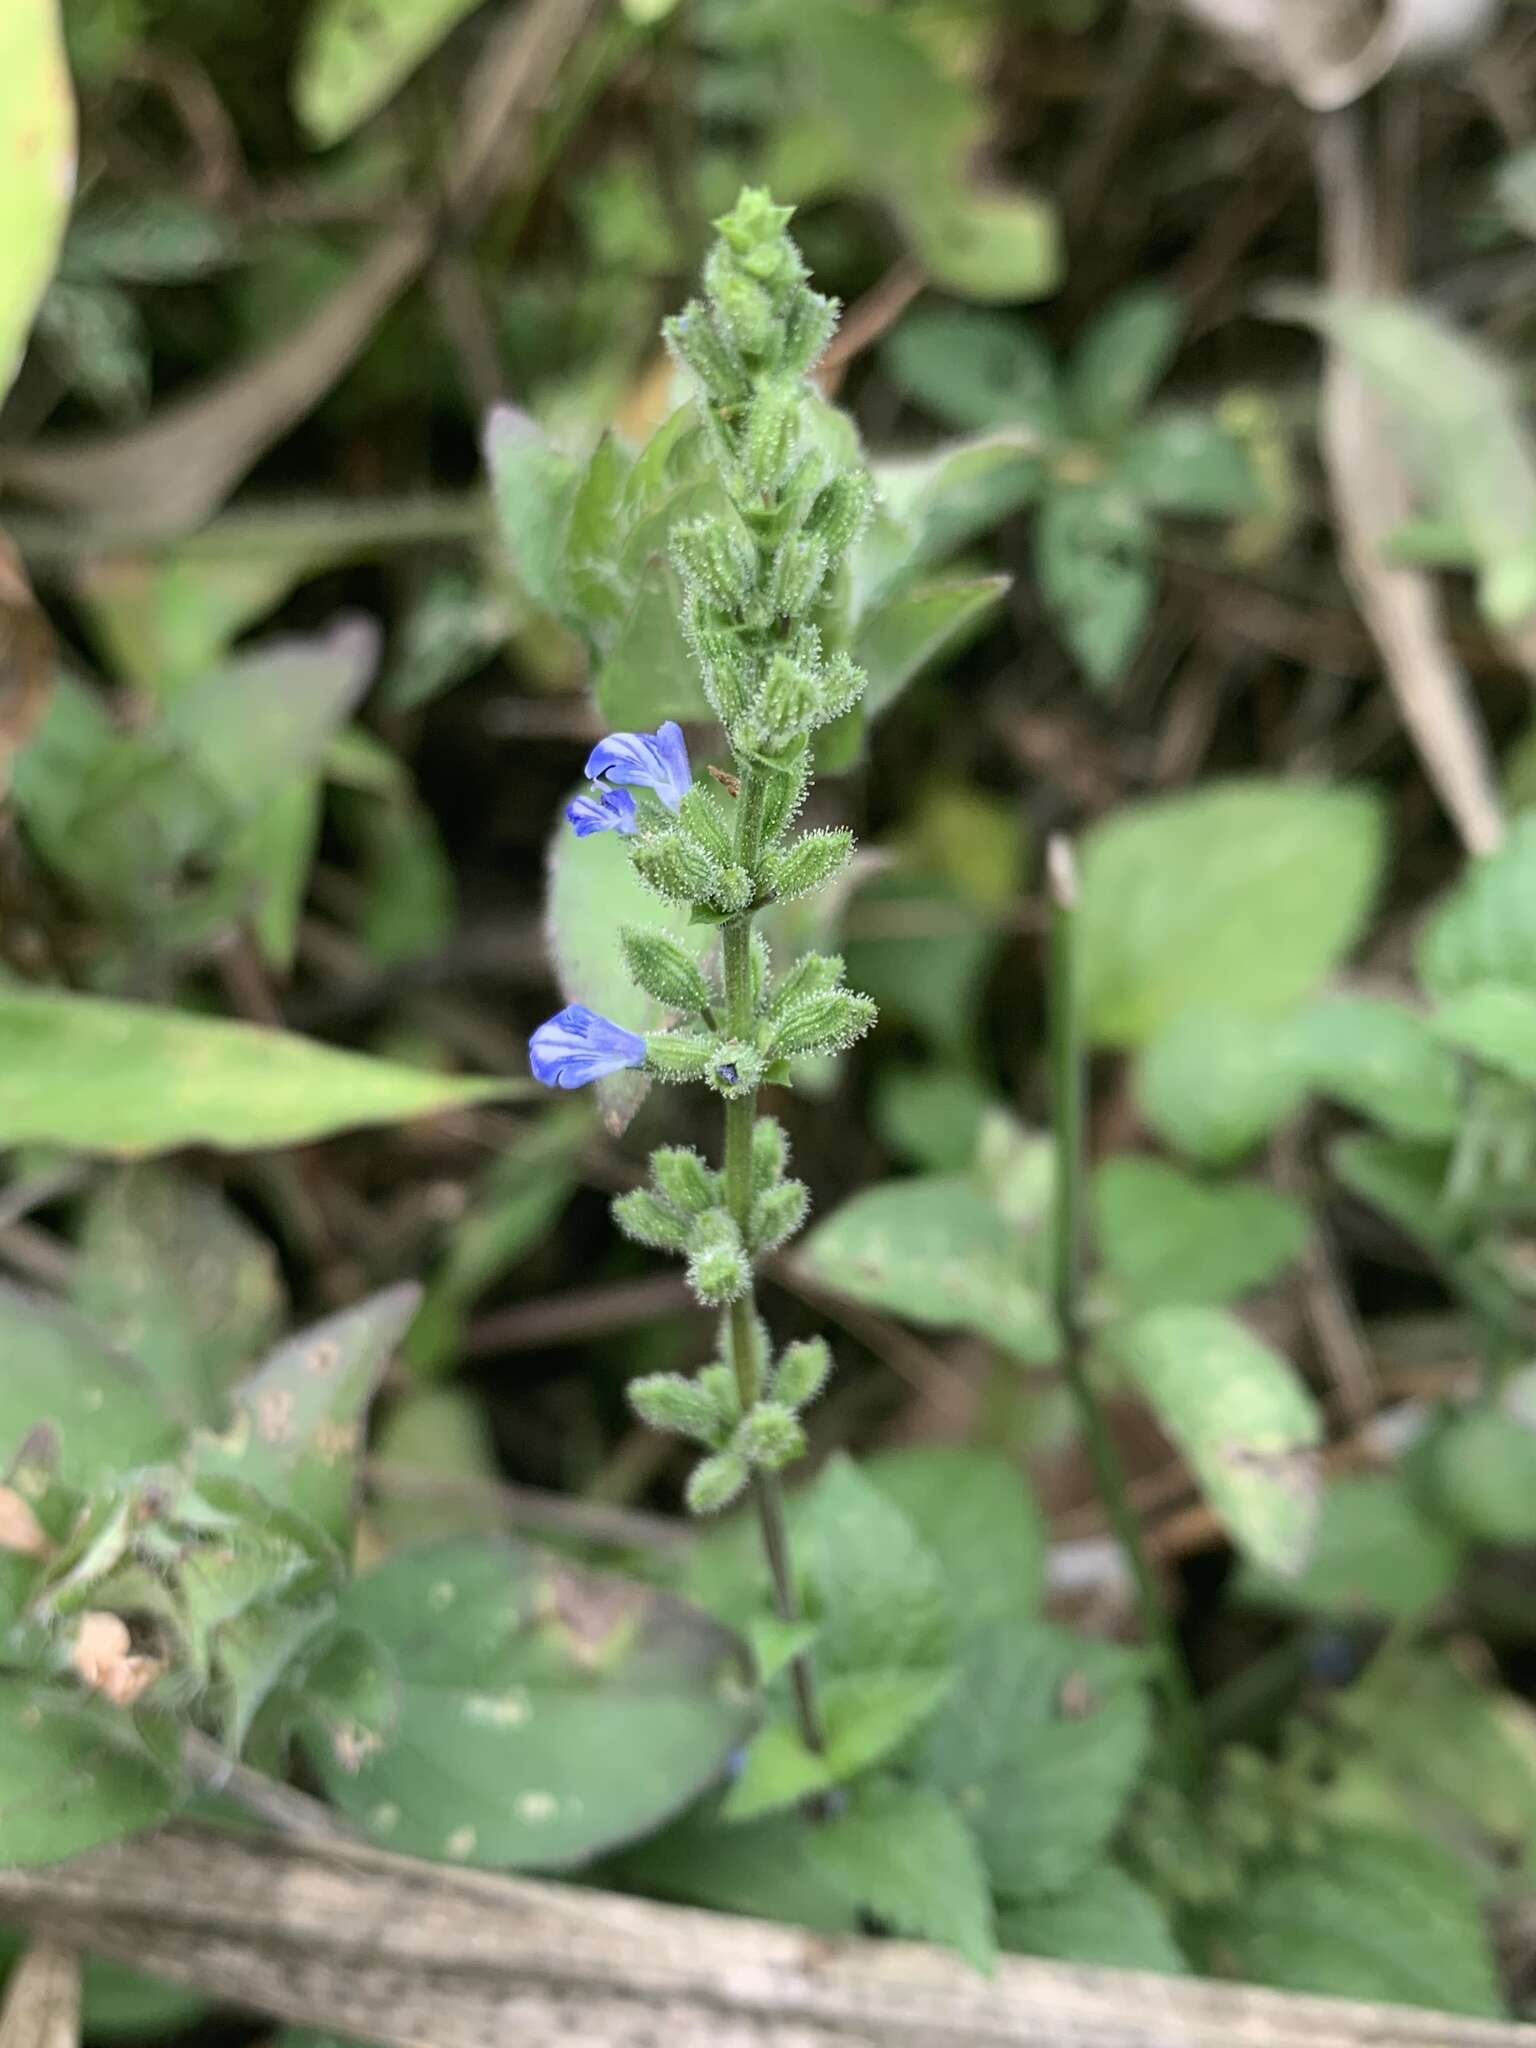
743,309
784,793
755,221
718,1268
716,561
839,513
799,570
716,1482
769,1438
735,1068
668,1402
802,1372
651,1222
701,817
723,665
665,970
808,327
734,890
843,683
695,342
678,1055
684,1180
772,425
719,1382
809,975
829,1021
778,1213
809,863
770,1152
787,706
675,866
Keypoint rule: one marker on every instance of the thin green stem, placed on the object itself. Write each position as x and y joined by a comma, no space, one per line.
1069,1096
740,1115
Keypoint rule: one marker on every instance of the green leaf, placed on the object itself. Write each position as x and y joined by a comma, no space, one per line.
546,1713
1375,1552
433,1471
974,1512
931,1116
296,1421
124,1078
1381,1059
899,639
74,1772
1241,896
922,949
1166,1237
1040,1745
1496,1023
1483,1468
37,167
1182,460
903,1854
1105,1918
594,893
1214,1082
107,1409
930,505
1243,1419
1485,928
1378,1916
174,1276
763,1868
975,370
935,1251
532,486
999,246
1406,1182
1093,556
355,55
1122,358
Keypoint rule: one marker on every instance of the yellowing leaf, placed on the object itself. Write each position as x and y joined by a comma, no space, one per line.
37,165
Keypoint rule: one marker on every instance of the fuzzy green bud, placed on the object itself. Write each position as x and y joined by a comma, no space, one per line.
787,706
665,970
770,1152
719,1383
718,1268
641,1216
701,817
809,863
678,1055
784,792
668,1402
838,515
735,1068
809,975
675,866
778,1213
761,963
808,327
828,1021
755,222
716,1482
799,570
843,683
802,1372
695,342
769,1438
772,426
734,890
683,1179
743,309
716,561
717,648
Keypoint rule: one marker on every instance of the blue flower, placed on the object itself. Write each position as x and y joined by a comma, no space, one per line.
578,1046
644,760
602,810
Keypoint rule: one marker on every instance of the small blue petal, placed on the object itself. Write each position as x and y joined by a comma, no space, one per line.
602,810
578,1046
644,760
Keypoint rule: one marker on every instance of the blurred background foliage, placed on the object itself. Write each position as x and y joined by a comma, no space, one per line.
287,705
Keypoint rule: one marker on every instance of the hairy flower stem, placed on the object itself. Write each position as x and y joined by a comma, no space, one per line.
740,1116
1068,1099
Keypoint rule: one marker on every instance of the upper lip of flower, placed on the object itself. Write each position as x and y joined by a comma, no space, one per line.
643,760
601,809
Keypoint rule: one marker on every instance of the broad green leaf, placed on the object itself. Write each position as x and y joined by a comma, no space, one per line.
599,590
866,1717
510,1209
1000,246
1241,896
1483,1467
296,1421
1093,557
1375,1552
922,949
1376,1916
432,1470
408,909
975,370
900,638
37,167
1122,358
975,1513
1242,1417
763,1868
355,55
903,1854
931,505
1040,1745
532,486
1105,1918
166,620
269,713
546,1713
1182,460
1381,1059
1214,1082
76,1771
935,1251
1484,930
594,893
109,1413
1496,1023
1166,1237
128,1079
930,1116
174,1276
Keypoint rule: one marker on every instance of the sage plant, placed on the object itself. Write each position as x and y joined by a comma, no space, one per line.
758,585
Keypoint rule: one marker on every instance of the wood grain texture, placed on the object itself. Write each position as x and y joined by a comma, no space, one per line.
417,1955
